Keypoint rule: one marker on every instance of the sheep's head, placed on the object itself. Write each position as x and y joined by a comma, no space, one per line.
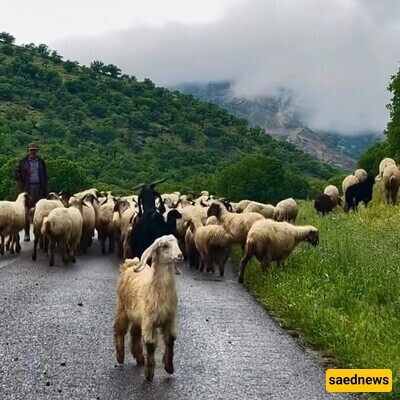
215,209
164,251
312,236
64,197
77,203
53,196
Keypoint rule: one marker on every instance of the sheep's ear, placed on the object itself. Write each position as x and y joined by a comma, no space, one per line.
104,202
148,253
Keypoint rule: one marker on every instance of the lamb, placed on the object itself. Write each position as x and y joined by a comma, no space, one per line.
348,181
323,204
384,163
391,183
147,301
237,225
287,210
361,174
333,192
266,210
269,241
64,226
42,210
12,220
213,244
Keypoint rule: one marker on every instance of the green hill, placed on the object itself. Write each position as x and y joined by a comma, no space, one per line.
98,127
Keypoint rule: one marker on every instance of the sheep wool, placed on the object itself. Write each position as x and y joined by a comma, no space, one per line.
269,241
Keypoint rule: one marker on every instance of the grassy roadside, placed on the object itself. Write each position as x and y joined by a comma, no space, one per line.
342,297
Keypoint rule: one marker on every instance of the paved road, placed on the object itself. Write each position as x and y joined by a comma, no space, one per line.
57,339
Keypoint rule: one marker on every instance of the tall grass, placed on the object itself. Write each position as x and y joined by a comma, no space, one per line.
342,297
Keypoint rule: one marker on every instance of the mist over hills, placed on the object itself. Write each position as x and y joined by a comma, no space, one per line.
282,119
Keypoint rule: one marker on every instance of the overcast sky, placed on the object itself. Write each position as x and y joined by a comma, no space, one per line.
336,55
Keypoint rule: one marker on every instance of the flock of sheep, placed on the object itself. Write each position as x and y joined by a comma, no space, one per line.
204,231
359,187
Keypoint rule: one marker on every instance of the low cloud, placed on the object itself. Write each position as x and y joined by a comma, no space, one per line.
337,56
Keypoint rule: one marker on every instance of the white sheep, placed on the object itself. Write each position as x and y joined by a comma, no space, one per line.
42,210
361,174
266,210
391,183
104,223
270,240
239,207
147,301
348,181
213,244
384,163
237,225
287,210
192,253
64,226
12,220
89,211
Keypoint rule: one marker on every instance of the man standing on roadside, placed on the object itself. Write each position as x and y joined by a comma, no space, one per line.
31,174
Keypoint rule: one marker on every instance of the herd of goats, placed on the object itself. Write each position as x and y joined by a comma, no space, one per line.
159,231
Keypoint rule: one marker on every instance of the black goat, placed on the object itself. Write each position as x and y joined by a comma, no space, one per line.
147,198
359,192
323,204
149,227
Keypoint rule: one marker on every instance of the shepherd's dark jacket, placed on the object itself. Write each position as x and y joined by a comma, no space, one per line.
22,176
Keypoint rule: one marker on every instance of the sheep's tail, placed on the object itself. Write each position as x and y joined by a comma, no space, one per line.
393,181
129,263
46,227
251,244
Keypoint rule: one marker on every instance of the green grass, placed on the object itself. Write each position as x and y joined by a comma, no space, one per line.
342,297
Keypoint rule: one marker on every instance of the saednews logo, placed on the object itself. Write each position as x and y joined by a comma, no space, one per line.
358,380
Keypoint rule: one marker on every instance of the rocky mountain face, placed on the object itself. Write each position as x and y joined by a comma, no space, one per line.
280,119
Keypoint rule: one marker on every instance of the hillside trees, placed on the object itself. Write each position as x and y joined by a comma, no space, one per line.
393,126
7,38
371,158
120,131
259,178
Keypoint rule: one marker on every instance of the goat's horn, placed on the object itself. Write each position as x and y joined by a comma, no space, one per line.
156,182
140,186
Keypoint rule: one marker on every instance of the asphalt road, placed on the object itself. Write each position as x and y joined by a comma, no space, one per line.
57,339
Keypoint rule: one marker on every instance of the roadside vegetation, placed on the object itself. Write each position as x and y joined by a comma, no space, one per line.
342,297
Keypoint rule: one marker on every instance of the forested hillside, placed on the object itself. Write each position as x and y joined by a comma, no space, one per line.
371,158
99,127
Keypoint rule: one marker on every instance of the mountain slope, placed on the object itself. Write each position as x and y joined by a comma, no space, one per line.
281,119
113,131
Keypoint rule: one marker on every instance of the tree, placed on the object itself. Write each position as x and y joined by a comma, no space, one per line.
71,66
43,50
393,126
66,175
7,38
56,57
259,178
97,65
372,157
112,70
